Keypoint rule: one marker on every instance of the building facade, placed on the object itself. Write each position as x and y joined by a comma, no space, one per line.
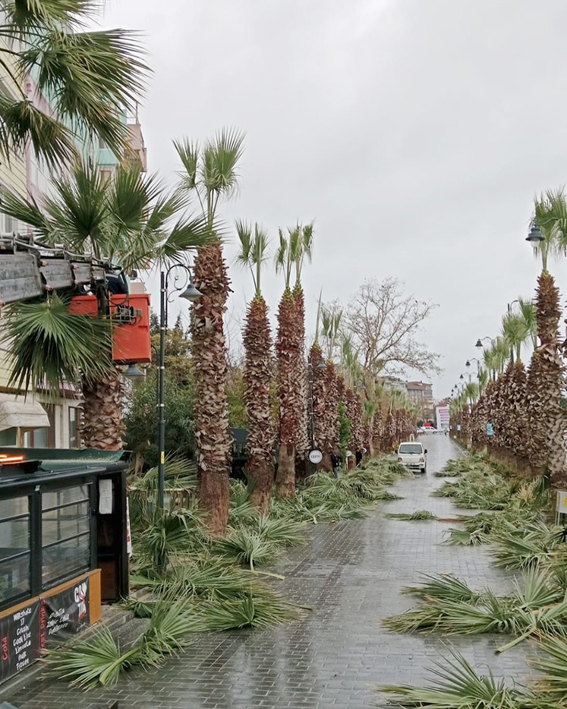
421,395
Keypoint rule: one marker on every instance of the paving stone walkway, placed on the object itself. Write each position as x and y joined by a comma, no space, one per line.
351,573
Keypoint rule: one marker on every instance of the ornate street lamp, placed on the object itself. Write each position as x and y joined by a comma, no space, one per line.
187,291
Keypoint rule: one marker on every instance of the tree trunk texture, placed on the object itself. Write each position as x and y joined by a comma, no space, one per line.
257,376
285,478
302,442
288,351
545,386
212,434
102,426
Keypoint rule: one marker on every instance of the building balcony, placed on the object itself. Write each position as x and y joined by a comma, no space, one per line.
136,151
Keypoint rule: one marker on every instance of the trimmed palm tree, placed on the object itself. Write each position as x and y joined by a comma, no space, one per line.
293,250
211,173
91,78
258,371
545,385
129,220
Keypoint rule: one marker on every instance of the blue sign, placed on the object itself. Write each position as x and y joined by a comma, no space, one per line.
489,429
458,427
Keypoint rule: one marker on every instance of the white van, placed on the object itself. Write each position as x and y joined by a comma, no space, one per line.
413,455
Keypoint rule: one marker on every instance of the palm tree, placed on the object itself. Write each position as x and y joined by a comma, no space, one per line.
293,250
529,314
91,78
130,221
258,369
515,332
545,386
211,173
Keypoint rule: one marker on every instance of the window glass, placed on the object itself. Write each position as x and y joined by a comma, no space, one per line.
64,522
410,448
14,506
14,548
14,537
74,441
64,496
14,577
65,559
40,438
9,437
65,533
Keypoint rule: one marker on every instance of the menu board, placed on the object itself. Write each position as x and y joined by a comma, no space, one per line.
19,640
65,613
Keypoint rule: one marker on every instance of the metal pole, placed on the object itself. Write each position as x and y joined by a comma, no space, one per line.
311,411
161,400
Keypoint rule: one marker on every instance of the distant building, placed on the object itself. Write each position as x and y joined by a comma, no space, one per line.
392,383
421,395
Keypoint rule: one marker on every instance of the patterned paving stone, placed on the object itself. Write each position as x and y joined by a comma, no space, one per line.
351,573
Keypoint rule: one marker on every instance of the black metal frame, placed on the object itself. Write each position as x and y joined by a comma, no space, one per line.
34,494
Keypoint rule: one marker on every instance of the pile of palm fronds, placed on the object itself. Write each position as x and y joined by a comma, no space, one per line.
537,606
457,684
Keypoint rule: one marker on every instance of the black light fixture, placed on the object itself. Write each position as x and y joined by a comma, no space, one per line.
191,293
133,372
535,236
462,376
478,344
468,364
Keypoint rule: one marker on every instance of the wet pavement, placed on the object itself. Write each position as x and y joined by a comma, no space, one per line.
351,574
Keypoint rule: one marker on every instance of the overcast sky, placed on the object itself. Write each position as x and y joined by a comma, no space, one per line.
415,132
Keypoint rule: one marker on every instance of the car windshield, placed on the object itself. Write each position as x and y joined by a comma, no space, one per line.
410,448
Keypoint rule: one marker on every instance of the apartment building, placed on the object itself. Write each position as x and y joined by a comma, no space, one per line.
421,395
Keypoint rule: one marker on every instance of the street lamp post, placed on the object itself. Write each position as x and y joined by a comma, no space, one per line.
474,359
190,293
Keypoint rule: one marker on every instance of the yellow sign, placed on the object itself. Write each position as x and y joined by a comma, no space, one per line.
163,457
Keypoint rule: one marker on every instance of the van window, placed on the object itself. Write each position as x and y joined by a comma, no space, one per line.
410,448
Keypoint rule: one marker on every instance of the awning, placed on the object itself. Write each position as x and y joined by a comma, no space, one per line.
22,414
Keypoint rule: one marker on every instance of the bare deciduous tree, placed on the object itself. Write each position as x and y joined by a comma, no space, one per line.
384,323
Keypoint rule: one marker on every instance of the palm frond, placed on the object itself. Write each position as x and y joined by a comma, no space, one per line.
47,344
418,515
457,686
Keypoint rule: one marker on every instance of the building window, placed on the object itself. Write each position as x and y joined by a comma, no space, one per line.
15,550
9,437
65,534
74,426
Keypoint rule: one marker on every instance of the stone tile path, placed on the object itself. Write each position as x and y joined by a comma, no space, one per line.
351,573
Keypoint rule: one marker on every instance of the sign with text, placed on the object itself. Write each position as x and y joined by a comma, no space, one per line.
19,640
489,429
65,613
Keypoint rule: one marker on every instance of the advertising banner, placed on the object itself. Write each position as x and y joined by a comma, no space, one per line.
19,640
65,613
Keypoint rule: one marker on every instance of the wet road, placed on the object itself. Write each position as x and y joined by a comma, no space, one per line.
351,574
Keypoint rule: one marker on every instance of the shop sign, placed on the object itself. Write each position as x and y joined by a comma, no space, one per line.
65,613
19,640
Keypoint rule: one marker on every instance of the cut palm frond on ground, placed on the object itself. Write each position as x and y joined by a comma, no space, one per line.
449,606
413,516
458,686
444,586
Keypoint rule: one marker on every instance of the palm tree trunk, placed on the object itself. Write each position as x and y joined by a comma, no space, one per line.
257,375
287,350
211,406
102,426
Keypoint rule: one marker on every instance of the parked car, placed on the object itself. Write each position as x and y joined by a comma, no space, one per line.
413,455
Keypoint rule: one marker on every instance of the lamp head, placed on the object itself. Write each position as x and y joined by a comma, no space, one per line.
468,364
478,344
535,236
191,293
133,372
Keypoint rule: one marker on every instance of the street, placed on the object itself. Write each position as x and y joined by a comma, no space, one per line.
351,573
